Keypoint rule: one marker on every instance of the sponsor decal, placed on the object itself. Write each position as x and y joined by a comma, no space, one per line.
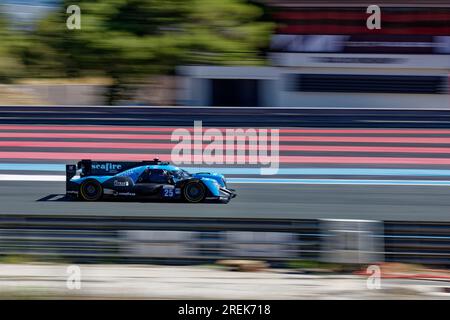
108,166
118,183
125,194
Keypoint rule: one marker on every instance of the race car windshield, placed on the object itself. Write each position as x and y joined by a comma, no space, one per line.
180,174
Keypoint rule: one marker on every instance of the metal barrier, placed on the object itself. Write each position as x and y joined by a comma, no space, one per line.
190,240
417,242
145,239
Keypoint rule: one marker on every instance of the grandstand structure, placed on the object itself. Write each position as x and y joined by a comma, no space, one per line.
406,27
323,55
356,3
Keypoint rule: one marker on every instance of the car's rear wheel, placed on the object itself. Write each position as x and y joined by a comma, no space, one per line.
194,192
91,190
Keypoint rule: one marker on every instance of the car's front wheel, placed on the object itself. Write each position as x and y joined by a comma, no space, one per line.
91,190
194,192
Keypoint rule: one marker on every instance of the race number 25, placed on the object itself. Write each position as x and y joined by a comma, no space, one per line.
168,193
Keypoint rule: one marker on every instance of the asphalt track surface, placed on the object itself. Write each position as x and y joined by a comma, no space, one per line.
412,203
329,150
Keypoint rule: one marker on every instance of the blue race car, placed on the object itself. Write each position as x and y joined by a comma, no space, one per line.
93,180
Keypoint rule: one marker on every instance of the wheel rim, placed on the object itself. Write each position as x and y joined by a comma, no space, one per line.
194,193
90,191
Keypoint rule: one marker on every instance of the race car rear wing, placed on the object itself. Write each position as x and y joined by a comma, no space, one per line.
71,171
110,168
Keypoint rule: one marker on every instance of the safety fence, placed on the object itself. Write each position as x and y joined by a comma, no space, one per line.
192,240
417,242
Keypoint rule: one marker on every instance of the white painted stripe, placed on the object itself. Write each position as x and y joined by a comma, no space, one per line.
28,177
59,178
56,197
341,182
256,171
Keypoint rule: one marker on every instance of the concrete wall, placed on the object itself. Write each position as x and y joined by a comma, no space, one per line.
161,91
52,94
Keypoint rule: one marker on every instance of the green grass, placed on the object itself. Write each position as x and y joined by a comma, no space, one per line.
23,259
16,259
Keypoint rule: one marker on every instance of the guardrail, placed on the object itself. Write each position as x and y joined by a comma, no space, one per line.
417,242
191,240
225,116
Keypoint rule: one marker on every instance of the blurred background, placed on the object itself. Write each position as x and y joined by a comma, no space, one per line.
136,52
364,124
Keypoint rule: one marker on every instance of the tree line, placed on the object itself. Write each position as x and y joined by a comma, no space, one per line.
128,41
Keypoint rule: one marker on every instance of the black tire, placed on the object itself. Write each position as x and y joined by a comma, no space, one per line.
194,192
91,190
